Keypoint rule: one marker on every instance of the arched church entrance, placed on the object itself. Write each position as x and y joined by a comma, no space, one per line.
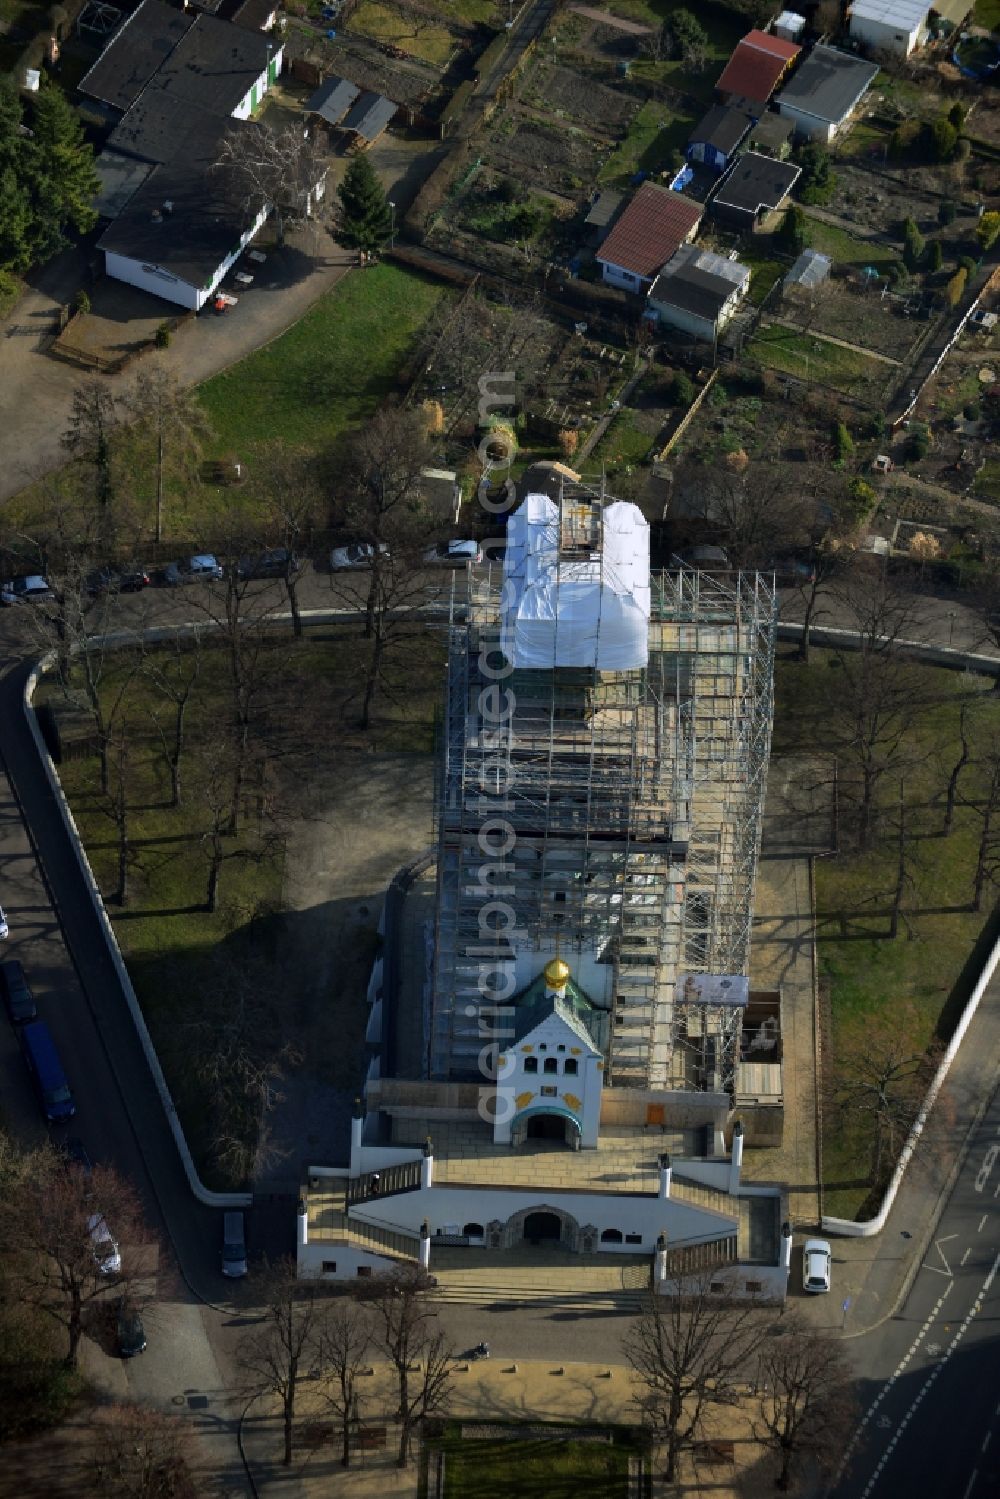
547,1127
542,1228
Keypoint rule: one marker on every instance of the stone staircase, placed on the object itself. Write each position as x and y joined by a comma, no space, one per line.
551,1278
710,1199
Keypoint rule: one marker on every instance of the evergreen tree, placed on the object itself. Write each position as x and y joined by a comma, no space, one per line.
365,217
913,245
935,255
47,179
793,230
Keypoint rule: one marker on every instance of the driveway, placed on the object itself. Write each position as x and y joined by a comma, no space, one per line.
36,390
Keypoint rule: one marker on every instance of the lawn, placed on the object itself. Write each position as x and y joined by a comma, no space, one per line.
329,371
307,695
808,356
988,480
549,1468
655,133
924,974
411,32
841,246
623,445
765,267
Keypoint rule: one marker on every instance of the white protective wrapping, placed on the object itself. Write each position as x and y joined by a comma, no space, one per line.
576,611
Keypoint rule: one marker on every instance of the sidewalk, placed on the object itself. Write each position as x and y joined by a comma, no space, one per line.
492,1392
876,1274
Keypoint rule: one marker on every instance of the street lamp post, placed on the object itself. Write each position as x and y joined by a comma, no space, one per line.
951,626
392,231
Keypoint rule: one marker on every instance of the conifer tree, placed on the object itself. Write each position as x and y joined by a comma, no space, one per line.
366,217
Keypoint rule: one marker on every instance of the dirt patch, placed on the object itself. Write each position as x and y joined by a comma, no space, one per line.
565,93
564,160
865,318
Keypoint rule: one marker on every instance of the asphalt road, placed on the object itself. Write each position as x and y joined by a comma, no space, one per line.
928,1377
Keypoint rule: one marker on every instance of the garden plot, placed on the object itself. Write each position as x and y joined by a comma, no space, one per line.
573,96
417,31
407,82
862,317
878,202
560,160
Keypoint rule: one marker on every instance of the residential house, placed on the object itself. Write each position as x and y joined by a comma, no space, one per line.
901,26
697,292
772,136
758,64
717,136
655,224
753,193
173,83
253,15
822,95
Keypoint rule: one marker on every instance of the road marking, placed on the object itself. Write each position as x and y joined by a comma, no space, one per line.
985,1170
924,1388
937,1245
982,1221
971,1483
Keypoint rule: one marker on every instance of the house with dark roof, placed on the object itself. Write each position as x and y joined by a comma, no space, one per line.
655,224
172,83
753,193
717,136
697,292
822,95
758,64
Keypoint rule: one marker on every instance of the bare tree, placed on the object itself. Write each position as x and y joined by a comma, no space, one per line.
754,513
116,805
687,1347
880,1081
174,669
807,1403
987,806
281,168
420,1355
169,427
951,796
878,695
344,1340
293,489
60,1268
142,1453
88,437
905,881
274,1358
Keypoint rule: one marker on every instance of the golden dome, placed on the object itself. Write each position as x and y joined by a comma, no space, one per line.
556,974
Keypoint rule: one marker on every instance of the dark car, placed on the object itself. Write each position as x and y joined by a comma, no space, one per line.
131,1333
279,562
17,996
132,579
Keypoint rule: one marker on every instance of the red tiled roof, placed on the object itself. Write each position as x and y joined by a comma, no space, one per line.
756,66
653,226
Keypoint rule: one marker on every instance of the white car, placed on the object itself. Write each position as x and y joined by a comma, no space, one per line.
24,590
103,1245
4,928
453,554
355,554
816,1261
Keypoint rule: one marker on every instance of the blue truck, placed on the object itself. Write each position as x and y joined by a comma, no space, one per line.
47,1073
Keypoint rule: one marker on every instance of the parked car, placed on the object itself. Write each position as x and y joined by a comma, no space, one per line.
29,590
356,554
131,1333
46,1071
4,928
16,995
816,1262
234,1246
131,579
201,568
279,562
103,1245
453,554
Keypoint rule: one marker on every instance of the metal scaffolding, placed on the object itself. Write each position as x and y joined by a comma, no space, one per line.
633,801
